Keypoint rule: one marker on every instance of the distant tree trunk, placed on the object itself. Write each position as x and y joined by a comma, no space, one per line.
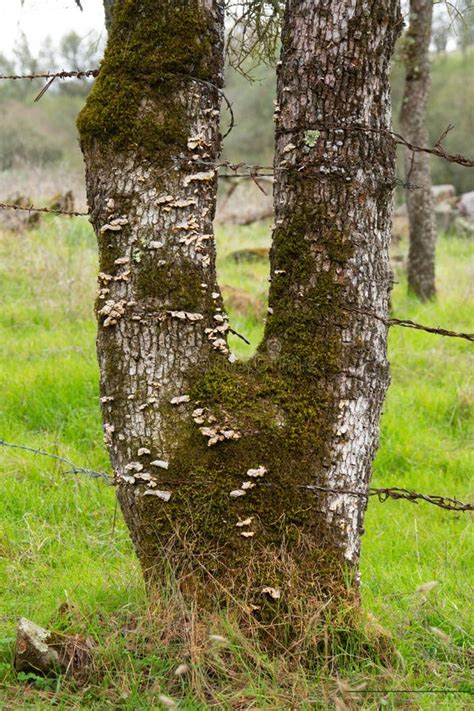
108,4
421,256
218,463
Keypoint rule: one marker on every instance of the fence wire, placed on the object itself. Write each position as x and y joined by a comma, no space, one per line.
383,494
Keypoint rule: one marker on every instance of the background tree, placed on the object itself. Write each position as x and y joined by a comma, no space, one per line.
108,4
421,256
218,463
464,24
441,27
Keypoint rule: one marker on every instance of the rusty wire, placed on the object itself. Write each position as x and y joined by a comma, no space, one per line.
383,494
75,469
404,323
437,150
395,492
407,323
79,74
31,208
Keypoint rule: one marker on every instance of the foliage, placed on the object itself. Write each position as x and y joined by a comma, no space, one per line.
63,563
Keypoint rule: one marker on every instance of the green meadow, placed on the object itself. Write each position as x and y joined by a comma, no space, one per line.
66,561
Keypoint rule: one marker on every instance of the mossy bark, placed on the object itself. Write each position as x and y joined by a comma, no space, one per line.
217,463
422,251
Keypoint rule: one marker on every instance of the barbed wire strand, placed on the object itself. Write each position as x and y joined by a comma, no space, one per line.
404,323
79,74
93,73
382,494
32,208
437,150
75,469
408,323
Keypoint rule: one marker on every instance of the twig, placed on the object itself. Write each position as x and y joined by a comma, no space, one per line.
239,335
226,101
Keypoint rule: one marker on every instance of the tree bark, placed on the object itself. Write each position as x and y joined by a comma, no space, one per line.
217,462
421,255
329,260
108,4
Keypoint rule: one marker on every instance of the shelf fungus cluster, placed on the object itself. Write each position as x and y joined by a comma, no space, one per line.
214,432
248,483
113,311
134,473
115,225
244,525
217,334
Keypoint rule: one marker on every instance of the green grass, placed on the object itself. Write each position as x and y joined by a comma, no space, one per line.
58,542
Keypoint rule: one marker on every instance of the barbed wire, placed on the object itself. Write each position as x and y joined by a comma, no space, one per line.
31,208
78,74
407,323
437,150
93,73
383,494
404,323
75,469
395,492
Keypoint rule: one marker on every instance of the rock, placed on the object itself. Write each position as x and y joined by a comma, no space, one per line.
466,205
240,301
41,651
441,193
445,215
33,652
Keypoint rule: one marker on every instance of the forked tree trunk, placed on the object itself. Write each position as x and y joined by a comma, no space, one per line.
421,255
217,463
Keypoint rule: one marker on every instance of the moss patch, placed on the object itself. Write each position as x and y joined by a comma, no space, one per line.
138,99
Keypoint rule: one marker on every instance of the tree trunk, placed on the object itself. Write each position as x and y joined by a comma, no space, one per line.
108,4
218,463
421,256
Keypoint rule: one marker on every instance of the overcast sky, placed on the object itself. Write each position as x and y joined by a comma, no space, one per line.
40,18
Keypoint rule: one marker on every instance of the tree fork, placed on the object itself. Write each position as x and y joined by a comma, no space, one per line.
213,458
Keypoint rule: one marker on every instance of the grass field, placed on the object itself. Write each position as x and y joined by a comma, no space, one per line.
58,543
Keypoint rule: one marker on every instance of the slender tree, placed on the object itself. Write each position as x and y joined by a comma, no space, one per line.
108,4
222,467
421,256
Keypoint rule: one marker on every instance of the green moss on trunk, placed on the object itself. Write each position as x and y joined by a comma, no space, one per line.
137,101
